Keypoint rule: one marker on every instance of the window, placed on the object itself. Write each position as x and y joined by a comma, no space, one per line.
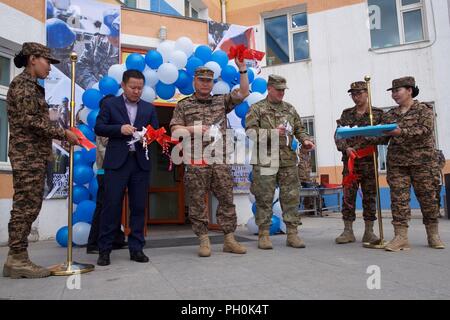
5,71
189,11
308,124
5,79
396,22
130,3
286,38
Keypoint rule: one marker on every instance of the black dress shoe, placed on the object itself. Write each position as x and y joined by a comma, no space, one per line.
103,259
138,256
118,246
92,250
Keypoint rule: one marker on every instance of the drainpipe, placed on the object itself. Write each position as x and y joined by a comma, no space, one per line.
224,10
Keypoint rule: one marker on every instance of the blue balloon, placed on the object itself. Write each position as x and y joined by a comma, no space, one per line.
254,208
59,34
92,117
294,144
165,91
91,98
153,59
188,90
184,79
243,122
88,133
82,174
242,109
108,85
229,74
204,53
84,212
250,176
259,85
192,64
78,158
275,226
135,61
220,57
80,193
89,157
93,187
62,236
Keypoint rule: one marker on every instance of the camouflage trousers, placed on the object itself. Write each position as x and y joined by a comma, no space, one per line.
366,180
263,187
422,178
27,202
199,180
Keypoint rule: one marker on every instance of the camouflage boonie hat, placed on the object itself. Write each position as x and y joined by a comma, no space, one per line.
204,72
403,82
39,50
277,82
357,86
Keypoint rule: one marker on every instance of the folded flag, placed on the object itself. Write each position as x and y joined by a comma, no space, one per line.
366,131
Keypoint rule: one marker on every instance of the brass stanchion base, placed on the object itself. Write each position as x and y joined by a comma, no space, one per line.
381,244
65,269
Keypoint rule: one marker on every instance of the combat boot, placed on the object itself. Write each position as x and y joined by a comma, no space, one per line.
263,238
293,240
205,246
347,236
18,266
231,245
400,241
434,241
369,236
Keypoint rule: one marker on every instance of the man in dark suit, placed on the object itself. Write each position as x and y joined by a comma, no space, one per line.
125,165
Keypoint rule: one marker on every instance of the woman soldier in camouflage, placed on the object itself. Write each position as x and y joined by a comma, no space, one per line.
30,148
411,161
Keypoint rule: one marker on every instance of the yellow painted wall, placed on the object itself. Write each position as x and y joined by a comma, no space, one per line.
214,9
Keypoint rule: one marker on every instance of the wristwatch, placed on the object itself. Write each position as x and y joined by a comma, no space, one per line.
242,72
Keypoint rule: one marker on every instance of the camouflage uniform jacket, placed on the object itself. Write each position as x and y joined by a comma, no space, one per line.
266,115
304,167
209,112
350,118
31,132
98,56
415,145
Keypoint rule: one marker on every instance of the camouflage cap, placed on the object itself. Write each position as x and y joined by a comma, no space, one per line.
403,82
204,72
277,82
357,86
39,50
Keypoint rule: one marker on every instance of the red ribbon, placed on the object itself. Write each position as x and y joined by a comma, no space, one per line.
84,142
352,177
242,52
162,138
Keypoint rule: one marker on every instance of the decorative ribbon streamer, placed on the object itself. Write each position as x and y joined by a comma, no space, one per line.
84,142
242,52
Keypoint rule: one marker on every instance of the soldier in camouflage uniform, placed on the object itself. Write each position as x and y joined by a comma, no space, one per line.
364,167
273,113
30,149
411,160
101,52
199,113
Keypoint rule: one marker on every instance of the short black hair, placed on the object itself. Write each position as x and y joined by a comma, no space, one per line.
132,74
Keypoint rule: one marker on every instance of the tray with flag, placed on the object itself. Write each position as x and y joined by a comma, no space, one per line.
367,131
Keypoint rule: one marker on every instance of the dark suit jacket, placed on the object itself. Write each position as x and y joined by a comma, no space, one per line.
109,121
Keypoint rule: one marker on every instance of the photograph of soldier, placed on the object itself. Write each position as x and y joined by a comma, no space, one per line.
201,175
411,161
358,115
272,113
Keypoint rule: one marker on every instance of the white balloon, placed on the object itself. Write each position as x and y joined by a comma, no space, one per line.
253,98
83,114
251,197
276,209
251,225
185,44
148,94
96,86
116,71
167,73
178,58
221,87
214,66
151,77
165,48
282,226
119,92
81,233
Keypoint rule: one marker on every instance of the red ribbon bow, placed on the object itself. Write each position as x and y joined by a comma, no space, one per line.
84,142
162,138
352,177
242,52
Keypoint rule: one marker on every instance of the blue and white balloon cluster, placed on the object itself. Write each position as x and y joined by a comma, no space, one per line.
277,217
